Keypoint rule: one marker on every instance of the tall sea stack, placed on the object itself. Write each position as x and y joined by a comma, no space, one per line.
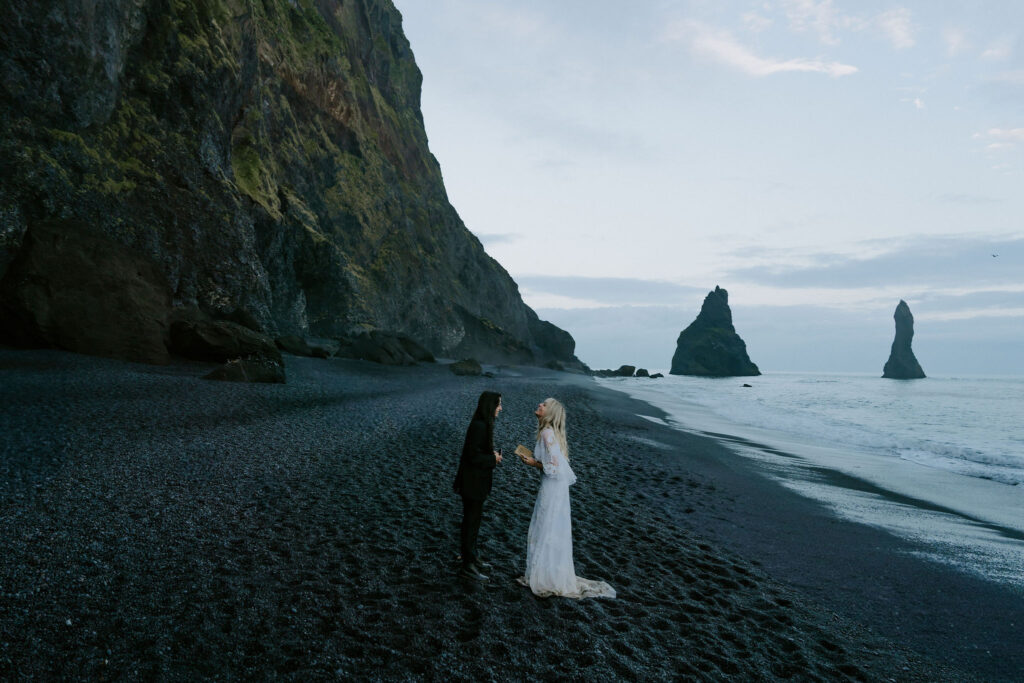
710,347
263,163
902,364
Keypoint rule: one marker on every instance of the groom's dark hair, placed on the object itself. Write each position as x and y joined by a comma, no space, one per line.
485,409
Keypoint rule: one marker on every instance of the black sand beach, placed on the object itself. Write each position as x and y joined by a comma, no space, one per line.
155,525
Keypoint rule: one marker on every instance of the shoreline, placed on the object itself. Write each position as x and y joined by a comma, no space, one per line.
162,525
966,515
893,585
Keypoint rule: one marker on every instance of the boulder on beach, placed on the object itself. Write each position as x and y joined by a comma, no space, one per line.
642,372
622,371
466,366
386,348
657,375
710,347
323,348
249,370
301,346
294,345
902,363
196,336
417,351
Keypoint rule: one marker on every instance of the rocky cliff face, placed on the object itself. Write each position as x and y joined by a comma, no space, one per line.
710,346
902,363
262,160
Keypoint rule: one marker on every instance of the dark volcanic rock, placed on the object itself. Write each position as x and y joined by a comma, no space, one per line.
466,366
902,363
623,371
414,349
315,348
323,348
76,289
642,372
710,347
387,348
384,350
242,370
199,338
657,375
269,158
294,345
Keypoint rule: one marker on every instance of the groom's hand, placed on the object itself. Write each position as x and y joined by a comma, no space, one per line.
497,457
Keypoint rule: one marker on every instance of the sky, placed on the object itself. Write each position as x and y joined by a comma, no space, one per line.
818,159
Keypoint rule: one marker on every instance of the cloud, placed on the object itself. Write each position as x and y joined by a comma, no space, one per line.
488,239
999,50
722,47
1007,134
971,314
823,19
956,41
998,139
523,24
1011,77
586,292
895,25
1005,88
950,264
571,135
819,17
756,23
968,199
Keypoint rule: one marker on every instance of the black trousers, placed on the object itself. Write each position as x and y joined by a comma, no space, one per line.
472,512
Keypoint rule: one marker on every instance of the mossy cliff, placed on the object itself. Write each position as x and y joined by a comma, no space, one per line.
267,157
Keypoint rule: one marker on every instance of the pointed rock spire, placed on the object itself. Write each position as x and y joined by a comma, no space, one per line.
710,347
902,364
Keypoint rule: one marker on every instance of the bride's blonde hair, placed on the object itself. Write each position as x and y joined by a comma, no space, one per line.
554,417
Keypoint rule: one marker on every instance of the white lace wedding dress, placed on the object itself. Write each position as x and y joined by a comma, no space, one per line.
549,566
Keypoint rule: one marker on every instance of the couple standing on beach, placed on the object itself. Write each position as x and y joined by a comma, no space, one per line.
549,565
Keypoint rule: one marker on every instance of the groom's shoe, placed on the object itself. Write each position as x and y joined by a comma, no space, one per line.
470,571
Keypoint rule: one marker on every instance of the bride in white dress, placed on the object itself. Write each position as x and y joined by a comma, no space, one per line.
549,566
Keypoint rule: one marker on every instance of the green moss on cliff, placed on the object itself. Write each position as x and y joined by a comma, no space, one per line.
270,154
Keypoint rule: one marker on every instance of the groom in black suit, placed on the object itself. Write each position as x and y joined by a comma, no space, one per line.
473,480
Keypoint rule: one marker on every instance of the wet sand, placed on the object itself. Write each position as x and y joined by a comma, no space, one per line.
156,525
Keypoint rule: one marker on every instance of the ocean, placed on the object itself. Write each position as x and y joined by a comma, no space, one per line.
942,458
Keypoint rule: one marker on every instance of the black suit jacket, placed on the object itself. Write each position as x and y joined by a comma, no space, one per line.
476,466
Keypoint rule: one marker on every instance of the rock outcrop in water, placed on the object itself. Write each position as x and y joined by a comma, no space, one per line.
902,363
265,162
710,347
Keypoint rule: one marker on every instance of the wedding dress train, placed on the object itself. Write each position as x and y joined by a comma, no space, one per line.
549,565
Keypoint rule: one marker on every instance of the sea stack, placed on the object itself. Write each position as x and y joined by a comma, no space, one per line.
902,364
710,347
